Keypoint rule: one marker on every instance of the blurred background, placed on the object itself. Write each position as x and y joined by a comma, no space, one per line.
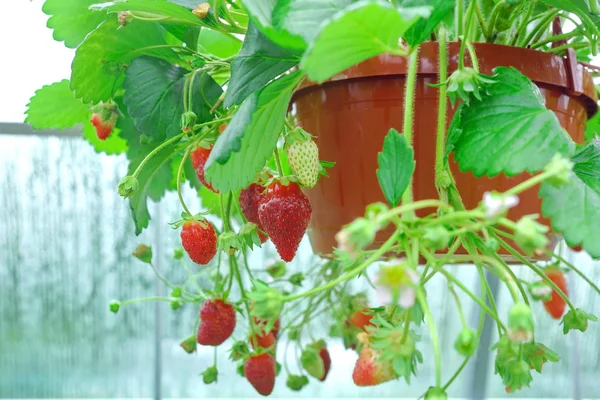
66,239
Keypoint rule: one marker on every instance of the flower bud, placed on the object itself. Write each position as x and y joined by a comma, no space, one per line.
296,382
210,375
466,342
277,270
531,235
128,186
520,323
114,306
143,253
560,168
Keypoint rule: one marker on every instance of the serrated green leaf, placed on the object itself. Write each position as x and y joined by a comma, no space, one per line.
154,96
112,145
261,13
509,130
218,43
98,68
396,166
72,20
359,32
55,107
259,61
574,207
421,30
154,180
166,11
592,127
248,142
305,17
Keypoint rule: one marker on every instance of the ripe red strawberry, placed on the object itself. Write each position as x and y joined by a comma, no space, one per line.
556,305
199,240
361,320
104,127
199,157
369,370
263,341
217,322
284,213
259,369
249,200
324,354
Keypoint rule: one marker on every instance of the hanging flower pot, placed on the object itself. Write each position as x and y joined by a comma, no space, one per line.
352,112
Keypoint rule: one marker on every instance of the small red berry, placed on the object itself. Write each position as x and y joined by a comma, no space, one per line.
259,369
249,201
324,354
361,320
263,341
556,305
284,213
199,241
199,157
103,128
217,322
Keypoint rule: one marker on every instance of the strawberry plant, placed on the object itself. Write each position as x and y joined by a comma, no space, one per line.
295,116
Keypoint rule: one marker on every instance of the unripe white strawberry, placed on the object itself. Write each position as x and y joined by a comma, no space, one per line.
303,157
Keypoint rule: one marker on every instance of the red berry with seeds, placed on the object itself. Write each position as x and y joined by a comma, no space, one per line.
361,320
199,157
263,341
556,305
199,241
260,369
249,201
284,213
324,354
217,322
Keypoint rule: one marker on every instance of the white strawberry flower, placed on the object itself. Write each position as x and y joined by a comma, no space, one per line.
397,284
496,204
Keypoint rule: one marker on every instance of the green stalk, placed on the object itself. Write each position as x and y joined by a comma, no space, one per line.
351,274
524,22
278,162
536,269
440,145
494,16
459,307
434,336
594,9
409,100
481,21
555,38
460,9
179,174
541,26
577,271
574,46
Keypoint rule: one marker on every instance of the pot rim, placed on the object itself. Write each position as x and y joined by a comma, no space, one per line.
545,69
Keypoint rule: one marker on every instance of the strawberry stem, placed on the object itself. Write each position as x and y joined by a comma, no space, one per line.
536,269
351,274
577,271
409,103
179,175
461,314
434,336
278,161
440,145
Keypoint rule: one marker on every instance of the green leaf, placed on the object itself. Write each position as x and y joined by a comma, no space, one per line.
305,17
154,180
72,20
574,207
261,13
259,61
98,66
166,11
55,107
154,96
396,166
421,30
509,130
578,7
359,32
592,127
248,142
218,43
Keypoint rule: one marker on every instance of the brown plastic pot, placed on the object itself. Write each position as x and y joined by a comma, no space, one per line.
351,114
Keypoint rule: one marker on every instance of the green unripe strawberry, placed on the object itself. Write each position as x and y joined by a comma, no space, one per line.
303,157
